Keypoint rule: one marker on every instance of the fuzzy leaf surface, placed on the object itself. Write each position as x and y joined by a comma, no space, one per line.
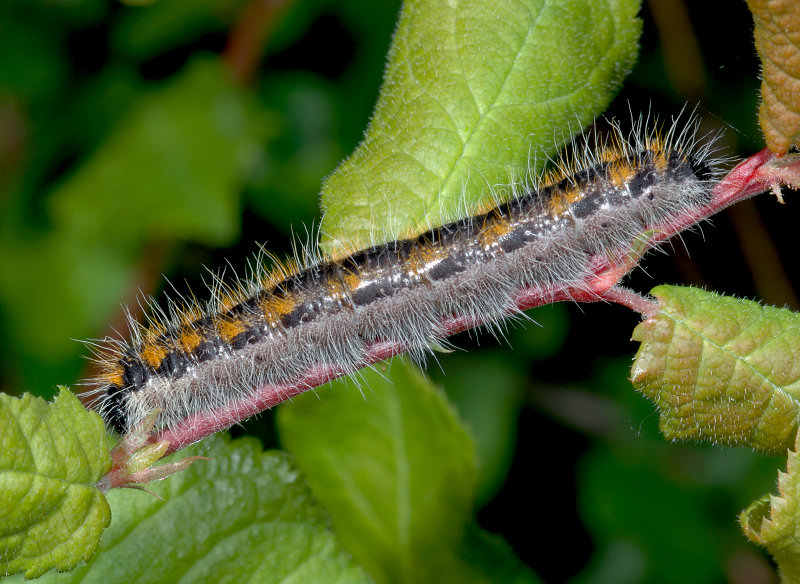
472,92
777,38
720,369
51,454
772,520
243,516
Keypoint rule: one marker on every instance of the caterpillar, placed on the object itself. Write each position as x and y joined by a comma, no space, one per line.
596,207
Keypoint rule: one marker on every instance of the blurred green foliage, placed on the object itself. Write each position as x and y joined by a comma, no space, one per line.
572,470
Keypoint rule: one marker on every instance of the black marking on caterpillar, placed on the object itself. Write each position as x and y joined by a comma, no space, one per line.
273,328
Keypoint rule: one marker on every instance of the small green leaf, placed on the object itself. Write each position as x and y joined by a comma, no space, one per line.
393,466
720,369
772,521
473,90
245,515
51,513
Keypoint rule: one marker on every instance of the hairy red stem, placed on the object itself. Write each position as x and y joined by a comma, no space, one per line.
761,172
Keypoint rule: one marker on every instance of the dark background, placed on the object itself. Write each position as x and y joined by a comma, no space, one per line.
627,505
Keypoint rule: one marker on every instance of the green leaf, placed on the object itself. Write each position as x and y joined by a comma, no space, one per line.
720,369
51,454
394,467
245,515
396,470
772,521
472,91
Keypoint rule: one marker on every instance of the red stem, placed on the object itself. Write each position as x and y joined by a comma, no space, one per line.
248,36
754,175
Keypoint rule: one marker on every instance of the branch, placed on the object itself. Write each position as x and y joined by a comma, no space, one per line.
761,172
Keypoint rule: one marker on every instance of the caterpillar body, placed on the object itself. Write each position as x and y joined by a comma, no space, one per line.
331,312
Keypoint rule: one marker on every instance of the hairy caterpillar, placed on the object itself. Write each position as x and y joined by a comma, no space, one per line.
595,212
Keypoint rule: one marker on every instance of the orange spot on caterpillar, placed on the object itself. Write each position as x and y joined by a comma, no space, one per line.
228,328
153,352
279,305
491,234
419,258
558,204
189,339
351,280
112,376
315,318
